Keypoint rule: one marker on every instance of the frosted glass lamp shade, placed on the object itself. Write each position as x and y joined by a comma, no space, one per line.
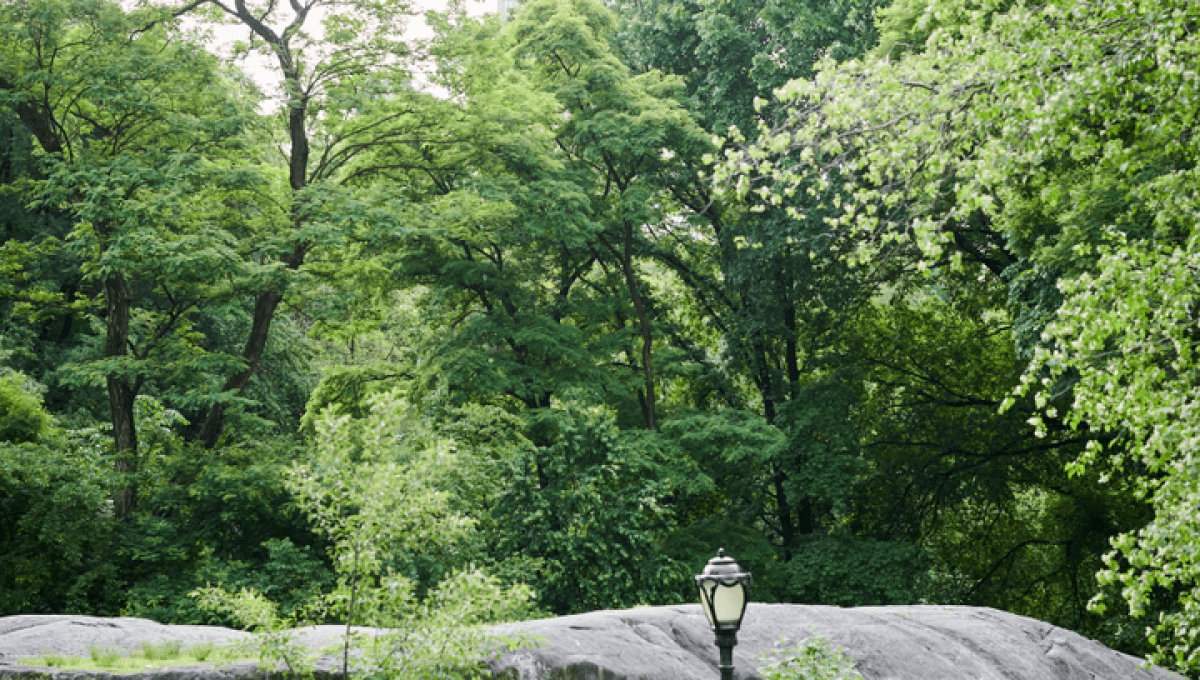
724,590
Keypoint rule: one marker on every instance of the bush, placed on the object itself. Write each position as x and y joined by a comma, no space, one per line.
56,527
591,506
222,517
23,419
814,658
849,571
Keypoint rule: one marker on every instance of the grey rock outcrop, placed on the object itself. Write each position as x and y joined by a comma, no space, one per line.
26,636
23,637
888,643
658,643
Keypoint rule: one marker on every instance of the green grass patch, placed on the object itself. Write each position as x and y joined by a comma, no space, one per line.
202,650
150,656
104,656
55,660
162,651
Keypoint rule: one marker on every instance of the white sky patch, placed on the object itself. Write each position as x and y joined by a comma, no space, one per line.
264,71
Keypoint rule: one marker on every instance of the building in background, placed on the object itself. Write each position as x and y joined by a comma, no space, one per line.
505,8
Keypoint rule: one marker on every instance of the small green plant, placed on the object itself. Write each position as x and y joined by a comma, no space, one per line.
814,658
54,660
275,644
104,656
162,651
376,489
201,651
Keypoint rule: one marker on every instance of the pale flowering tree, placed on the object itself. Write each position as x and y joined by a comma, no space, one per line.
1065,132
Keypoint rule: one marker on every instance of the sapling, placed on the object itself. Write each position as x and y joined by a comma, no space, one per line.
373,490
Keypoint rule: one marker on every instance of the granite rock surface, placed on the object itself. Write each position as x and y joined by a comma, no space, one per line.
888,643
23,637
656,643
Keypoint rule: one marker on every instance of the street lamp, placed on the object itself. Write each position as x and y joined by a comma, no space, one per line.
724,590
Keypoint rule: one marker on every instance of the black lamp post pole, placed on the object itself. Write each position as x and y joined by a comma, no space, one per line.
724,590
725,642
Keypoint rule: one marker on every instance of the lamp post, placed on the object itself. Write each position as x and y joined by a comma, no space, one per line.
724,590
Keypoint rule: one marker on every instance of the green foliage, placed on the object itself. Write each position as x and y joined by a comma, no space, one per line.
170,649
445,636
275,642
23,418
1046,144
906,26
380,490
393,469
102,656
693,545
1125,349
56,525
848,571
227,519
734,448
202,650
534,245
143,155
813,658
39,307
1035,171
589,506
376,489
525,330
149,656
776,285
822,452
735,51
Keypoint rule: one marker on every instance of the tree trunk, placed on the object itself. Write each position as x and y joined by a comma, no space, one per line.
787,527
783,506
267,301
121,392
639,307
791,347
265,305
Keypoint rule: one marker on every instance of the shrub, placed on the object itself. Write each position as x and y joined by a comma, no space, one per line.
104,656
23,419
814,658
56,526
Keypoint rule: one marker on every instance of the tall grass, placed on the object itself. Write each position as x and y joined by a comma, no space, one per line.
162,651
105,656
202,650
54,660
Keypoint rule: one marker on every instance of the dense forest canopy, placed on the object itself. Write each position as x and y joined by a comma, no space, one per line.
895,302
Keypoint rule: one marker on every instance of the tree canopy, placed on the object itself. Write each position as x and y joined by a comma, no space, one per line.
892,301
1052,145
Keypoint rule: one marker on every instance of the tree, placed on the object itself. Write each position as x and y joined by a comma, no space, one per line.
53,500
344,91
169,224
778,287
588,507
126,138
1121,351
1057,134
535,239
626,131
377,488
732,52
